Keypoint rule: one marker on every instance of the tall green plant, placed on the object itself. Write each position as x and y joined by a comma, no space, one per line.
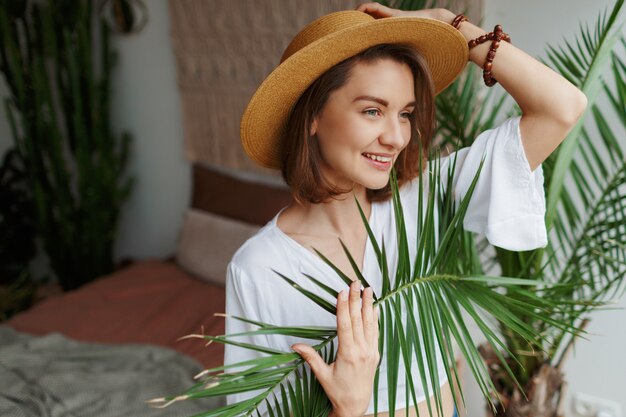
59,116
586,197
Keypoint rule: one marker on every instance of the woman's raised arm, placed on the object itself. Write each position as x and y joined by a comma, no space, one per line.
550,104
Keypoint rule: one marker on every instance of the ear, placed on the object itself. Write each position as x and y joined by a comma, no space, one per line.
313,127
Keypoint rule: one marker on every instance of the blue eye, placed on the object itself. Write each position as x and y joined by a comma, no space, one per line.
371,110
407,115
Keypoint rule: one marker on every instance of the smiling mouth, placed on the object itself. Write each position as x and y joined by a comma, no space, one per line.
382,163
377,158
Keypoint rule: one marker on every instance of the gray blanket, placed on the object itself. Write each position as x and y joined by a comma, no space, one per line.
55,376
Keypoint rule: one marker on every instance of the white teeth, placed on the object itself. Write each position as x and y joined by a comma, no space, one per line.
378,158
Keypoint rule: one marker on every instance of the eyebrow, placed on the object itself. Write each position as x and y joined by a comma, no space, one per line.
380,100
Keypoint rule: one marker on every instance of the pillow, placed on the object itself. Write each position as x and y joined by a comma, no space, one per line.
207,242
232,196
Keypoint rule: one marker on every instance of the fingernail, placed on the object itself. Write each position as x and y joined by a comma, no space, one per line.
343,295
295,350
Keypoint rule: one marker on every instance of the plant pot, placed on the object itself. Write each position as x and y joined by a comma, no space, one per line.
544,391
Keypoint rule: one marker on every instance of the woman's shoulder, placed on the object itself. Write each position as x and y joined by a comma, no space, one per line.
261,252
253,267
254,247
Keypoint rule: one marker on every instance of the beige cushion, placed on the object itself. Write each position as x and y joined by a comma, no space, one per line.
207,243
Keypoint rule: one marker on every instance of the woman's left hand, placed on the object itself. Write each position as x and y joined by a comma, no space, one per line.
378,11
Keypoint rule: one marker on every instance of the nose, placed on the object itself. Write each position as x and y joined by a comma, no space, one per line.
393,132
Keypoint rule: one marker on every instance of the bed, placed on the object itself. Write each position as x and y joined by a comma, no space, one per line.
107,347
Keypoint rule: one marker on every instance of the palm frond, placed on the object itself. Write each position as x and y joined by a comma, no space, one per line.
592,229
583,65
596,171
422,314
464,110
281,383
585,205
410,4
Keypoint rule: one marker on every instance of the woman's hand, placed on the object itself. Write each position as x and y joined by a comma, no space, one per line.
348,381
378,11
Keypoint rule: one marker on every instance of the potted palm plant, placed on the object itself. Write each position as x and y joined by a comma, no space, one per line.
539,299
586,218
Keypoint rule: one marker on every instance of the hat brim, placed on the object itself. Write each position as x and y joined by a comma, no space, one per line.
263,122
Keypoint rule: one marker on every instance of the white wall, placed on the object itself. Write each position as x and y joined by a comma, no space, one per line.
598,366
145,101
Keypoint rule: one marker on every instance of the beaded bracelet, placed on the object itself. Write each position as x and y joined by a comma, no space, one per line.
495,37
487,37
458,19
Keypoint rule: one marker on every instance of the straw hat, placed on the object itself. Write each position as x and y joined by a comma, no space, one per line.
326,42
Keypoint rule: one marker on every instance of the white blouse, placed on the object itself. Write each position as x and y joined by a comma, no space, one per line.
508,207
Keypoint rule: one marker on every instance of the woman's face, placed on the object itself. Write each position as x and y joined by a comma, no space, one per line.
365,124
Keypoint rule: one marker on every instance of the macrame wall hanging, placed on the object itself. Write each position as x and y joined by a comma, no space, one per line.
223,50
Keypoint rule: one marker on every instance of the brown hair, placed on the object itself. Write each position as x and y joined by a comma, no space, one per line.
300,163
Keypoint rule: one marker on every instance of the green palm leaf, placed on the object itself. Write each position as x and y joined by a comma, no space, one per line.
410,4
586,198
592,231
583,65
421,315
464,110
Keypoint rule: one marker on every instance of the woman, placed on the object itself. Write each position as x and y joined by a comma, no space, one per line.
352,97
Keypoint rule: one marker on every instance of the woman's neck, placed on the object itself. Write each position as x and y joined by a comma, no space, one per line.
337,217
340,216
